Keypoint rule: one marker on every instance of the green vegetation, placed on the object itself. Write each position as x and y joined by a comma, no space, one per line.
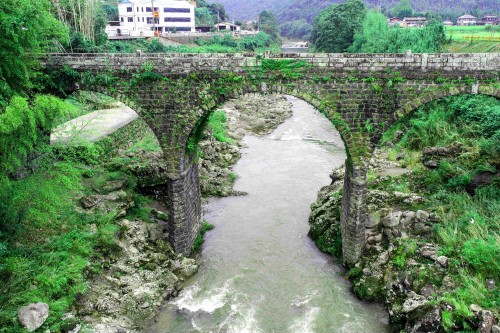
269,25
209,13
198,242
27,26
403,9
470,39
48,248
376,36
469,227
217,123
222,43
335,26
46,245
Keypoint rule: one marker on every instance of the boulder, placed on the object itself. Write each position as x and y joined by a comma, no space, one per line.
422,216
414,301
442,261
490,284
475,308
480,179
428,251
487,320
372,221
428,290
398,135
429,323
185,267
407,218
431,156
392,219
33,315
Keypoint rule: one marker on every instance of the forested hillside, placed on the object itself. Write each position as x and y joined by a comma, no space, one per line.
298,14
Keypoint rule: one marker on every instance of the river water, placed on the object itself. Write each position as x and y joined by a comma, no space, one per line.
260,271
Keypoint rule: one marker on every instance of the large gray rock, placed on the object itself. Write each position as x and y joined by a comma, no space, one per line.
431,156
428,251
414,301
429,323
33,315
487,320
392,219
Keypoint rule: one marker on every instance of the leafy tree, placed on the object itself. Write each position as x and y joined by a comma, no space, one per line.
334,28
84,17
269,25
26,26
203,16
374,35
216,10
403,9
111,11
296,29
377,37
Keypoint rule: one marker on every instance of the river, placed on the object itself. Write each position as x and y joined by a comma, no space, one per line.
260,271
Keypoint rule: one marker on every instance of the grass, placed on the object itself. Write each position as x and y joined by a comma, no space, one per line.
46,245
473,39
226,43
48,248
198,242
465,32
217,123
469,228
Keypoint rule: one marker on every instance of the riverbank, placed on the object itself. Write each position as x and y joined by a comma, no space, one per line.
220,149
432,235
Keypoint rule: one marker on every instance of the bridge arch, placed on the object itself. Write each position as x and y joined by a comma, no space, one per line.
363,94
354,211
413,103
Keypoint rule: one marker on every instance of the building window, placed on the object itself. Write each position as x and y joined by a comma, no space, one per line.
129,9
177,19
121,19
130,19
143,19
148,9
176,10
149,20
174,29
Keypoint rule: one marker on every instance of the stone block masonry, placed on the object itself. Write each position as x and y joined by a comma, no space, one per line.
362,94
185,209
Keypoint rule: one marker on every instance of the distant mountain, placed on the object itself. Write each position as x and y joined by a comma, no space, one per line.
287,11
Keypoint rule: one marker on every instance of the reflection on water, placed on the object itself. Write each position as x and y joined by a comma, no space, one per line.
260,271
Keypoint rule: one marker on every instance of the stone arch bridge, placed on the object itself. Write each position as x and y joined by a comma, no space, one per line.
362,95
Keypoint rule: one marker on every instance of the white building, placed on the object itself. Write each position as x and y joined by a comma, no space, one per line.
466,20
147,17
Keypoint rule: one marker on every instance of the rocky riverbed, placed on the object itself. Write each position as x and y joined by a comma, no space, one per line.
144,271
139,275
250,114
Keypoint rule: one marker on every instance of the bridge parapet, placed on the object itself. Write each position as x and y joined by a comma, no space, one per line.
411,65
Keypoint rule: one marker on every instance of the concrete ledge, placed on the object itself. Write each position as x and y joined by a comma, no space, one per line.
109,130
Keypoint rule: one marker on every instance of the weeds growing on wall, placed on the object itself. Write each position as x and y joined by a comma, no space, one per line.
217,123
